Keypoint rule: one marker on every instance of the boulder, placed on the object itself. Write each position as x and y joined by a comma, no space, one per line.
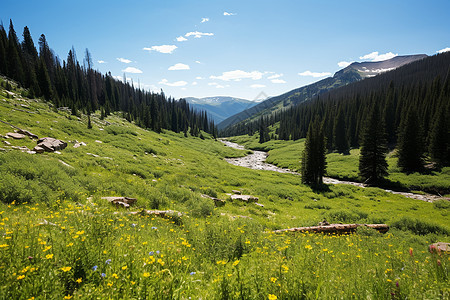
38,149
26,132
236,192
15,135
51,144
2,150
7,143
217,202
120,201
244,198
439,247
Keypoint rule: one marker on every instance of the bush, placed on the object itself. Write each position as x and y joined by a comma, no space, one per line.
317,206
346,216
441,204
419,227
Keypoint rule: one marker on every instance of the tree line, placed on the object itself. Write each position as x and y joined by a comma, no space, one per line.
79,87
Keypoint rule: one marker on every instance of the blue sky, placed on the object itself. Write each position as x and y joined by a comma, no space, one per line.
232,48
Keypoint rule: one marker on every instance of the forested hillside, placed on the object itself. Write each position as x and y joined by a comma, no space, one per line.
79,87
422,86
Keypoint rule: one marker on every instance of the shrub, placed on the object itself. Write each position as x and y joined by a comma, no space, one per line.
441,204
419,227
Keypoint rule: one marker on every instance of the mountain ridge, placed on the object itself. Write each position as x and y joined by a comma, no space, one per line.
352,73
220,108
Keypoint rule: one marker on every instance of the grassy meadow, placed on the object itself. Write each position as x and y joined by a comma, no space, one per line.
60,240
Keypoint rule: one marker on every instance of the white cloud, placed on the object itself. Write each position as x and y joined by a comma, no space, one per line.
176,83
181,39
314,74
124,60
132,70
257,86
199,78
101,61
238,75
375,56
198,34
275,76
179,66
205,20
278,81
198,62
443,50
168,49
344,64
228,14
195,83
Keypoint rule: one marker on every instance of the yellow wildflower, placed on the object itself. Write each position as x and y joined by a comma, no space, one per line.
20,277
66,269
273,279
79,280
236,262
124,268
49,256
272,297
146,274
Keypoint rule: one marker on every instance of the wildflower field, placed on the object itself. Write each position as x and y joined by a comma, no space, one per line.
60,240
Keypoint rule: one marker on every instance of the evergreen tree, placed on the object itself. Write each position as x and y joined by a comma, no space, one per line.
44,80
410,144
372,160
3,47
314,156
263,131
440,138
340,134
14,51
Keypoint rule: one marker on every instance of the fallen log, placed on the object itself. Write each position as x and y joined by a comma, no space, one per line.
335,228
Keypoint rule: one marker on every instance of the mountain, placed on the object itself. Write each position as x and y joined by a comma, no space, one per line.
371,69
221,107
352,73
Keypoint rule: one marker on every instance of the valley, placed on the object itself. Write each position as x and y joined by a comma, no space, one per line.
59,230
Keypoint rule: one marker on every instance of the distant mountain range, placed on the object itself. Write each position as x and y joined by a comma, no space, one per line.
221,107
352,73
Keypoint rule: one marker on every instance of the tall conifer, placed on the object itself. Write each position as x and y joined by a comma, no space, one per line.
372,160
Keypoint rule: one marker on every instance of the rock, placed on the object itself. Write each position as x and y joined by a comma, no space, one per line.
217,202
38,149
245,198
118,200
259,204
51,144
31,152
15,135
7,143
236,192
439,247
94,155
26,132
97,141
2,150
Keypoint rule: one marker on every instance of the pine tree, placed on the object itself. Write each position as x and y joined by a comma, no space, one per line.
410,146
372,160
340,134
314,156
440,138
14,51
263,131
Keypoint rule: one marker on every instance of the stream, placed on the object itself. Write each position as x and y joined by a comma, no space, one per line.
257,161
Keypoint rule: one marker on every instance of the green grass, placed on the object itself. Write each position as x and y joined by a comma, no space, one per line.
209,253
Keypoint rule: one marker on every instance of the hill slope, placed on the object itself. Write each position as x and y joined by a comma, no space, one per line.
220,108
352,73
